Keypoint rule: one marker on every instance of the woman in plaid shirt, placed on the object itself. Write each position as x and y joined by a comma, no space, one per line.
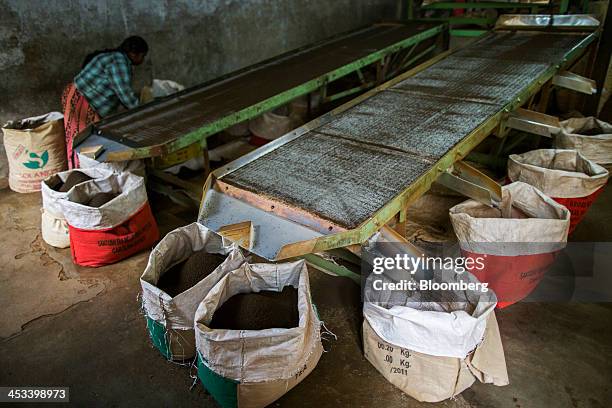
105,82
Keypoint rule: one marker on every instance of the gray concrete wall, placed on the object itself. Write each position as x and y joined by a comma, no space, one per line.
42,43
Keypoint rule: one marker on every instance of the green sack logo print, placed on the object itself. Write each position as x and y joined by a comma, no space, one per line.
36,161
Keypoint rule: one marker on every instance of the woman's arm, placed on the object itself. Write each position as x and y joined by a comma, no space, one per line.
120,72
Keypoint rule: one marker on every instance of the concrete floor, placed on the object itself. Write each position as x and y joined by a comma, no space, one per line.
558,355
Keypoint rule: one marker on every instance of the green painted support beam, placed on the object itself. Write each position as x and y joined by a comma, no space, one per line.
418,57
564,6
345,255
332,268
348,92
586,9
361,77
411,61
466,32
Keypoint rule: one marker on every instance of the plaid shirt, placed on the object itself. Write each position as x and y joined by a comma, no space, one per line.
107,81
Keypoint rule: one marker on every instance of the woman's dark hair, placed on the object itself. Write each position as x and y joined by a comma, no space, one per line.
135,44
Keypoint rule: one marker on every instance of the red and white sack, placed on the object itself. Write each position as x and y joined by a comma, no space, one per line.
433,345
176,313
114,231
36,149
53,223
590,136
565,175
517,243
136,167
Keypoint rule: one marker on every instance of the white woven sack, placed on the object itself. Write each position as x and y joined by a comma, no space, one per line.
453,329
53,223
251,356
597,148
481,229
558,173
133,166
178,312
132,196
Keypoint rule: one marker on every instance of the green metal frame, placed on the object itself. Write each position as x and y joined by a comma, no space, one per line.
331,267
275,101
467,32
461,150
362,233
484,22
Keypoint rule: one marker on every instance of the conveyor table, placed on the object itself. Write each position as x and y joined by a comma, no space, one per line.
192,115
338,180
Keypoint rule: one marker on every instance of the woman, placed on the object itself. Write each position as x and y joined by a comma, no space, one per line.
105,81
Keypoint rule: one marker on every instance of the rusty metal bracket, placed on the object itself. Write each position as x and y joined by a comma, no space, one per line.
401,244
533,122
472,183
502,131
575,82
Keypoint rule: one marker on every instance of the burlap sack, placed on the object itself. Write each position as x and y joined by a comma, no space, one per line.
557,173
433,378
540,220
36,149
253,368
433,349
575,135
564,175
272,125
175,314
428,224
518,243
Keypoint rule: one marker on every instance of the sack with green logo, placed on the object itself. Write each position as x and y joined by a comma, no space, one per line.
36,149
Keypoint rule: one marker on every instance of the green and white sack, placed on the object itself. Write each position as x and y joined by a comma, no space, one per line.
253,368
36,149
590,136
170,319
53,223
